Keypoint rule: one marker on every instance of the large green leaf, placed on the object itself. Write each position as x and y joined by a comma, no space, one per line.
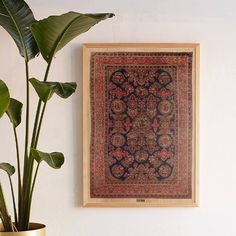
45,90
14,112
4,98
16,18
63,90
54,32
9,169
42,89
54,159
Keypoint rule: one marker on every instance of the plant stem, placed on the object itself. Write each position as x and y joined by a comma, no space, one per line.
36,124
30,166
32,188
36,172
31,193
27,113
14,202
27,124
19,171
26,173
47,70
35,130
40,124
35,177
6,219
18,158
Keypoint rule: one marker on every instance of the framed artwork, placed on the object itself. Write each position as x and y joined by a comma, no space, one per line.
140,125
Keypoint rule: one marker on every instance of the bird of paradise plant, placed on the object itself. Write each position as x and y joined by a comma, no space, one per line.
32,37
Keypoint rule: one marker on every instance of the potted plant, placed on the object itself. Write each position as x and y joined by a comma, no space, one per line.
32,37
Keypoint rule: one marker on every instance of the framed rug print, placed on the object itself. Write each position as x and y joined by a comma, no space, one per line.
140,125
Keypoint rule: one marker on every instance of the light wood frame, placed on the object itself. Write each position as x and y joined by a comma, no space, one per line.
128,202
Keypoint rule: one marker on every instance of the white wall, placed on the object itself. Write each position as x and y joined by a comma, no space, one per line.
57,200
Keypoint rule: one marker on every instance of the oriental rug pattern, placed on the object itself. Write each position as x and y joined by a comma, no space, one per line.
141,125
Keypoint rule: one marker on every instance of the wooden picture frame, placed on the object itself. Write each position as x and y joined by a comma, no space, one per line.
140,125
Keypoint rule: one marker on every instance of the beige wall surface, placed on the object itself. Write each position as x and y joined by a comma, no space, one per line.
58,195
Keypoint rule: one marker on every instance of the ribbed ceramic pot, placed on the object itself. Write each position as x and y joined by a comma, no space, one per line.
35,230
